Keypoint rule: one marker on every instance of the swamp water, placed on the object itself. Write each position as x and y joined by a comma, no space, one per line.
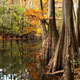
19,60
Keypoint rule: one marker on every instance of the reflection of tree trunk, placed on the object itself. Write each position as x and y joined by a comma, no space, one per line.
3,46
21,56
14,78
18,42
21,75
22,50
11,48
11,56
11,28
11,76
3,33
6,77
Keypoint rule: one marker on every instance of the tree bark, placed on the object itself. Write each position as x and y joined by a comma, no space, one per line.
66,47
74,9
77,28
55,62
53,33
50,42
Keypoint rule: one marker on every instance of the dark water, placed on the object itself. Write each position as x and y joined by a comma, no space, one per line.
19,60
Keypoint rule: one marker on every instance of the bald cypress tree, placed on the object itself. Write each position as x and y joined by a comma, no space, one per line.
51,36
64,54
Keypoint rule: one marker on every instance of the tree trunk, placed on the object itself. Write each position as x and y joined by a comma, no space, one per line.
69,47
55,62
49,43
74,9
77,28
53,34
66,47
42,22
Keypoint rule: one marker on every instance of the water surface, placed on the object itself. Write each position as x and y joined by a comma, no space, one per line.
19,60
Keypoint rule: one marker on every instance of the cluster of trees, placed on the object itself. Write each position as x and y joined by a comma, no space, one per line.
20,17
13,20
59,50
11,17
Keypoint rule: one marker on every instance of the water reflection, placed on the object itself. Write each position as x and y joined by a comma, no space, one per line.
19,60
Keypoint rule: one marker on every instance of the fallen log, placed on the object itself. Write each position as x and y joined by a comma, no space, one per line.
59,73
55,73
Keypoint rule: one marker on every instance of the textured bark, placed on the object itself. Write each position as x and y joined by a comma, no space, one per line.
69,40
49,43
64,53
55,62
44,52
77,28
44,49
74,9
53,34
66,47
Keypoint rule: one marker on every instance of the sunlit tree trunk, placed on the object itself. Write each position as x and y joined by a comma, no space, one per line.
65,51
74,9
21,2
25,3
42,22
53,34
77,28
50,42
69,50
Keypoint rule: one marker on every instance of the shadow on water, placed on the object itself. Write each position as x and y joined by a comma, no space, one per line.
19,60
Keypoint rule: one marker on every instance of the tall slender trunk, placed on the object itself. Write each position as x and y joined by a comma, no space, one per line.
74,9
55,62
50,42
77,28
69,49
53,34
42,22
